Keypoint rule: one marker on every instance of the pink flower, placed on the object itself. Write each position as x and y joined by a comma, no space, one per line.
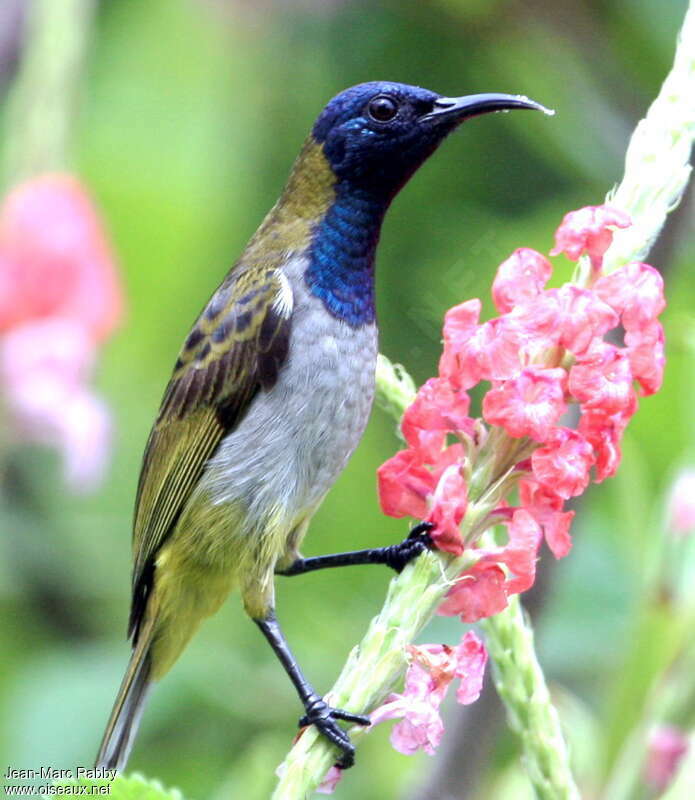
563,464
666,747
635,291
547,509
520,279
471,659
448,507
582,317
604,432
437,410
483,590
489,352
645,347
330,781
603,379
478,593
44,367
681,503
460,322
59,297
589,230
55,259
431,671
528,405
404,484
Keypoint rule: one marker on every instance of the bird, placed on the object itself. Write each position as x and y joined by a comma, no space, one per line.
270,395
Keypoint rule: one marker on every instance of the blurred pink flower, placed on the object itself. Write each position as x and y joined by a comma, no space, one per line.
44,366
432,669
59,298
681,503
55,259
666,747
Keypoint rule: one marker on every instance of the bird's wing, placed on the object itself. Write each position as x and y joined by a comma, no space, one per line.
236,348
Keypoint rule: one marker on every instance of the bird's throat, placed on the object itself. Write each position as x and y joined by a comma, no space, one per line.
336,224
341,255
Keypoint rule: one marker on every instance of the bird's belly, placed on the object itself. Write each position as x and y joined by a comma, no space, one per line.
296,438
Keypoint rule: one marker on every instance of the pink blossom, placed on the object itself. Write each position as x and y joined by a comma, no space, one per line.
547,509
604,432
483,590
44,366
681,503
603,379
645,347
431,671
582,317
470,668
520,279
635,291
404,484
528,405
460,322
420,726
449,503
589,230
520,553
489,352
523,353
437,410
330,780
55,259
563,464
478,593
666,747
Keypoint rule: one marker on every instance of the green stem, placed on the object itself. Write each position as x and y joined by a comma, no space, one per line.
531,715
43,102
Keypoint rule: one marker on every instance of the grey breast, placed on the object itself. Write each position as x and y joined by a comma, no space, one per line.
296,438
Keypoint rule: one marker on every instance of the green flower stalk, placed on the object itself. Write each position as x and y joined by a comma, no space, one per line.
656,174
531,715
657,162
43,101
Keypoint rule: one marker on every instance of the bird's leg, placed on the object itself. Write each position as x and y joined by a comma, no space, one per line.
395,556
318,712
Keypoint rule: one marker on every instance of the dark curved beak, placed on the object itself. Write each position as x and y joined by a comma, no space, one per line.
457,109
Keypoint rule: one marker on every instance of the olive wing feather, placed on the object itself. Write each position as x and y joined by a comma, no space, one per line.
236,348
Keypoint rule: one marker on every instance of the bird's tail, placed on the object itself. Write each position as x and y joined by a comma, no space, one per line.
127,710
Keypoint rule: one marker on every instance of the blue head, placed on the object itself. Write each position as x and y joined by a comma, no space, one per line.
375,135
372,138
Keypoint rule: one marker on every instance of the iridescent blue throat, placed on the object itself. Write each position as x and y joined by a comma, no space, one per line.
341,255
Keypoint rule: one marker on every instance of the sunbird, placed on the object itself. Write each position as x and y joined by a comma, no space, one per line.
270,395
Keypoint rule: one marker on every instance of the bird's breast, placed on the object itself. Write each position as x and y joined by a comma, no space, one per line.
297,437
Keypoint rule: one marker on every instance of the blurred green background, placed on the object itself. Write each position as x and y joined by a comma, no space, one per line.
191,114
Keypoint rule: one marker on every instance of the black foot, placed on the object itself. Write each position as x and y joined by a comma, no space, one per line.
398,555
323,716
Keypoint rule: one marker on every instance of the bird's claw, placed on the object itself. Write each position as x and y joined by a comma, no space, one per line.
323,717
418,540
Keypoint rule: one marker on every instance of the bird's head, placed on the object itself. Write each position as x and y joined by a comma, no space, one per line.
375,135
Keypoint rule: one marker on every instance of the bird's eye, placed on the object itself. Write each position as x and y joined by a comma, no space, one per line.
382,108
